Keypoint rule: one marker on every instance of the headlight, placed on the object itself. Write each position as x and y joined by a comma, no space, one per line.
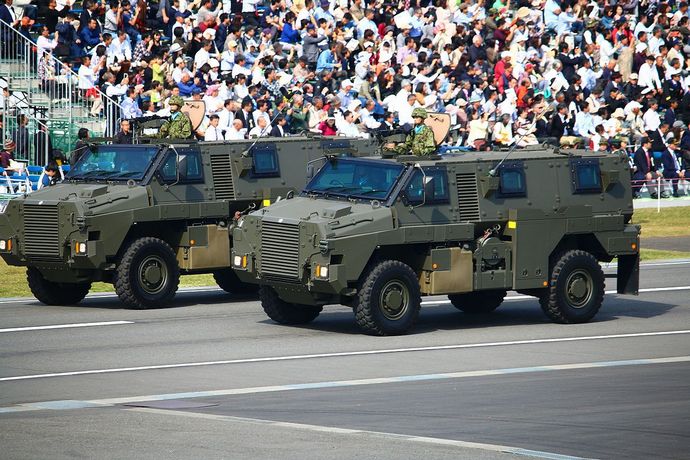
6,245
240,261
321,271
80,248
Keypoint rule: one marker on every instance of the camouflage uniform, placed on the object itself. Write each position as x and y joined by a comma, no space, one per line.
420,141
179,126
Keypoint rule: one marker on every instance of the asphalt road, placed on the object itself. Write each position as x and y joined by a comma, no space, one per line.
212,377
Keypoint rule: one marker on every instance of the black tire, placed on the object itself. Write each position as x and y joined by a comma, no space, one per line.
52,293
389,299
283,312
576,288
228,281
478,302
147,275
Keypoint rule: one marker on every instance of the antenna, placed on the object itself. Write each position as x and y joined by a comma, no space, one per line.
494,171
246,152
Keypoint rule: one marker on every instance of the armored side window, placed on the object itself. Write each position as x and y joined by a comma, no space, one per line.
586,176
189,166
512,181
265,161
414,192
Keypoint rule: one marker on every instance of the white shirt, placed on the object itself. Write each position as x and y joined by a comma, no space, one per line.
249,6
226,119
256,131
45,44
86,78
651,120
235,134
121,50
648,77
201,57
214,133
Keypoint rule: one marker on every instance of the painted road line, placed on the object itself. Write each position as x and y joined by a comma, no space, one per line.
521,296
341,354
356,432
65,326
76,404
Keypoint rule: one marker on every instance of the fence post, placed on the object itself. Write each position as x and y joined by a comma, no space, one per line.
658,194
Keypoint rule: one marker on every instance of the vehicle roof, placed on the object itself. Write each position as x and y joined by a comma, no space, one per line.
533,153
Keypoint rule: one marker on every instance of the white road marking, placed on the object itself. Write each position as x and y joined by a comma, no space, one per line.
109,295
64,326
355,432
521,297
341,354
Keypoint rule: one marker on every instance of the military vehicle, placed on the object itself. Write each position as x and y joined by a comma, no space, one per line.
140,215
376,234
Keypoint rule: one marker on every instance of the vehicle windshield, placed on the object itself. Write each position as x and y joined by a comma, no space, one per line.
371,180
114,162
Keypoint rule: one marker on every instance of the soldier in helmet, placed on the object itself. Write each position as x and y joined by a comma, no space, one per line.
420,141
179,126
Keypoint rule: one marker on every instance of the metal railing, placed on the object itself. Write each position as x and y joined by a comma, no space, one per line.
47,91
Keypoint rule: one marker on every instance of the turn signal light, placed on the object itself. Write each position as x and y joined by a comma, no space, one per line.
79,248
6,245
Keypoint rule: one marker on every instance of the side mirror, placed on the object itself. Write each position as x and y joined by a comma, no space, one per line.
428,188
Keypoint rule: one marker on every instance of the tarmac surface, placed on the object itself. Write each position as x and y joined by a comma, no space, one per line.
212,377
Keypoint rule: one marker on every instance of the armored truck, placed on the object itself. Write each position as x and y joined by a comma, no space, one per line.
140,215
377,234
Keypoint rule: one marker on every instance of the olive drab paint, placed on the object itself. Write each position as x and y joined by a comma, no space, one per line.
175,219
469,226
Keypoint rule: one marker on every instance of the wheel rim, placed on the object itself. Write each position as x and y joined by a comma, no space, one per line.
394,299
578,288
153,274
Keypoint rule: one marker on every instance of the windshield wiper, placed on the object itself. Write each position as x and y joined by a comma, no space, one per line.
94,174
375,190
125,174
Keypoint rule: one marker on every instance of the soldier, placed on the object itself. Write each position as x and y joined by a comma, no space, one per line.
179,126
420,141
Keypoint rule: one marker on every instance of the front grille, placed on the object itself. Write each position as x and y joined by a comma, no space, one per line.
468,200
41,231
280,250
222,177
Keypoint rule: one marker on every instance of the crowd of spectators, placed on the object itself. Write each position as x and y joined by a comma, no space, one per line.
600,74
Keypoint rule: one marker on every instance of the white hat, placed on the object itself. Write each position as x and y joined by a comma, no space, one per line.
673,72
640,47
647,90
354,105
213,62
210,34
179,60
633,76
367,45
461,102
345,84
618,113
632,106
175,48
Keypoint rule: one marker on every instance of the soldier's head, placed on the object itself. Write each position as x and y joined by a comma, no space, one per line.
175,103
419,116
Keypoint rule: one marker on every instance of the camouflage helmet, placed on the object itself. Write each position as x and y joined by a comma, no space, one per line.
419,112
176,100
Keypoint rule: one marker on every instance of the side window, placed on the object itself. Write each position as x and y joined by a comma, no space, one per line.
168,169
265,162
512,181
189,165
414,192
586,176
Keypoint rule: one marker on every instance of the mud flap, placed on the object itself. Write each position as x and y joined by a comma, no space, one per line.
628,274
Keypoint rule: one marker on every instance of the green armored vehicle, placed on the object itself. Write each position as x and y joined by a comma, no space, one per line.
377,234
140,215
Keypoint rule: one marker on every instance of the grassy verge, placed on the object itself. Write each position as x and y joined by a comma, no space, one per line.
13,282
13,279
668,222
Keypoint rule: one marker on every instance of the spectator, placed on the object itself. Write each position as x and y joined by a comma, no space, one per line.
80,147
124,136
21,137
213,131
